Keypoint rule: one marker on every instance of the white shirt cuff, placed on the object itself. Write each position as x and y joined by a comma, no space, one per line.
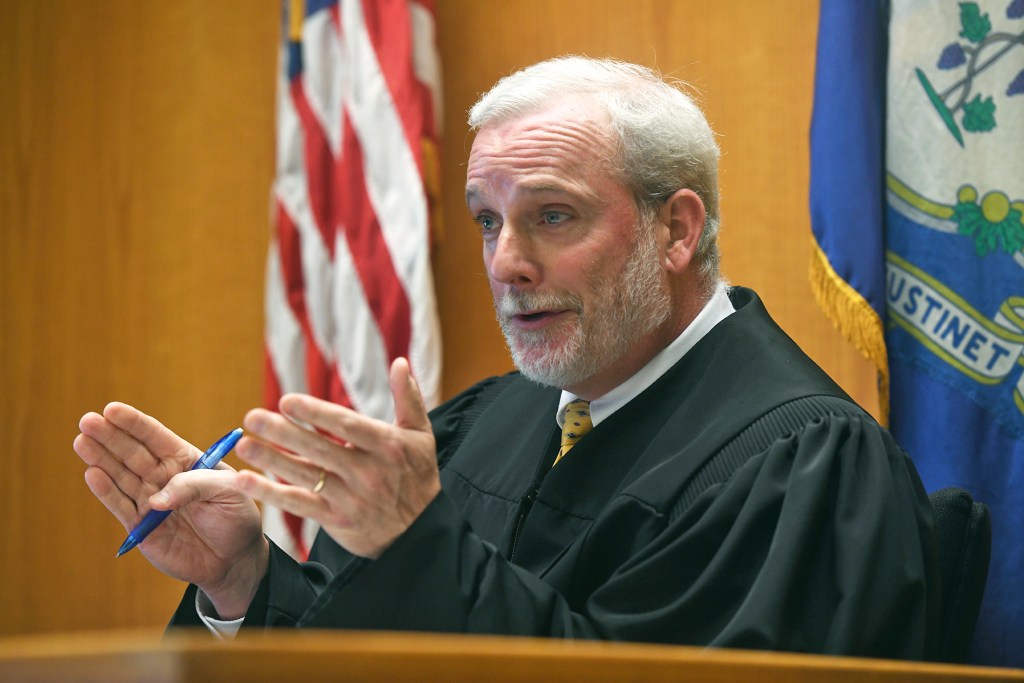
221,628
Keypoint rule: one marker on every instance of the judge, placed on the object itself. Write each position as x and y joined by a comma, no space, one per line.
665,466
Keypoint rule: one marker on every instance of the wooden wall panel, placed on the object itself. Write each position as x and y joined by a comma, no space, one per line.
136,154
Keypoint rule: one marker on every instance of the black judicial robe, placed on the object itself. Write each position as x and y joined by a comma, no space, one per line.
742,500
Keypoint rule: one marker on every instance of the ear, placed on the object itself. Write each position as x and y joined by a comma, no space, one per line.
683,214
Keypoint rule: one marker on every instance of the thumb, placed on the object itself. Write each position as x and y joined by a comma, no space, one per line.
193,486
410,410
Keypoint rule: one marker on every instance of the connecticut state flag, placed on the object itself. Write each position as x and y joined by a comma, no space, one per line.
917,206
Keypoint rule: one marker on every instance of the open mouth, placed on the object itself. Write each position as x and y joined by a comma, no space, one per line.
536,319
531,311
536,315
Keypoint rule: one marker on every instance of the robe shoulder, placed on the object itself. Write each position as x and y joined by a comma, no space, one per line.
820,540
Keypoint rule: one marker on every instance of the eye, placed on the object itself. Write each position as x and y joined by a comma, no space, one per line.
487,222
554,217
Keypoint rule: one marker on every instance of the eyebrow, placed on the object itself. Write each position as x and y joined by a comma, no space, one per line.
538,188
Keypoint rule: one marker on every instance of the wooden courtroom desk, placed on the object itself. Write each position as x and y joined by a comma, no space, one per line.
310,656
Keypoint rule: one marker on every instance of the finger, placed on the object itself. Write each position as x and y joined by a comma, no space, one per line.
347,426
410,410
95,455
300,445
194,486
291,469
293,499
120,505
118,444
154,436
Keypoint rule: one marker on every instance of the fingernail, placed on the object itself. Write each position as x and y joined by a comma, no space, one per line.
160,498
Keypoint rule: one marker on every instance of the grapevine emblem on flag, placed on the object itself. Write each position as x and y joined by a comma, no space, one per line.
994,222
956,196
980,49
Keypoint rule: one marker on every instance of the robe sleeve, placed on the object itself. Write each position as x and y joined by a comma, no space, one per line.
823,542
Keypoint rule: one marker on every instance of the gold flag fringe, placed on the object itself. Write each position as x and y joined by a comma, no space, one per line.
854,317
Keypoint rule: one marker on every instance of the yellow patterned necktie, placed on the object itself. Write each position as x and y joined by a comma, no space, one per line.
577,423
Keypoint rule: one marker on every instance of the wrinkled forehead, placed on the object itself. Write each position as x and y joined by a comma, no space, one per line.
566,138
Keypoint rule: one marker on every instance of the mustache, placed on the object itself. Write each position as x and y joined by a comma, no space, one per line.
514,303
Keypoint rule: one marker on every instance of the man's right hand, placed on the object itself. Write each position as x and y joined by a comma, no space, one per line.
215,537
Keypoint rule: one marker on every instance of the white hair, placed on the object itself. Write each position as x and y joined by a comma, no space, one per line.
664,142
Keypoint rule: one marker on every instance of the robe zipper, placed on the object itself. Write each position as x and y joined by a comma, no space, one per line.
524,509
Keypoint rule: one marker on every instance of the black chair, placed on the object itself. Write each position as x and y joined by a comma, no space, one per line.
964,530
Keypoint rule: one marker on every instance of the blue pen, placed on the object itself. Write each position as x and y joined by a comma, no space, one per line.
208,460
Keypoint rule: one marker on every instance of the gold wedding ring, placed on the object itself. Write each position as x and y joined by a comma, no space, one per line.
320,482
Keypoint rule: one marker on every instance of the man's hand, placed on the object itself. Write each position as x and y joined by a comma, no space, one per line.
214,539
378,477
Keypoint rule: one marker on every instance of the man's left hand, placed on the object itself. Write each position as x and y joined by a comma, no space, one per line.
377,477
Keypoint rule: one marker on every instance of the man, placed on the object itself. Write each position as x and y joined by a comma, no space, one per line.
728,492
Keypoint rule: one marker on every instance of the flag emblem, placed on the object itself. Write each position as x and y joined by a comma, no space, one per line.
917,209
955,182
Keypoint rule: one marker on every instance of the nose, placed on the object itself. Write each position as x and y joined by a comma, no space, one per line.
511,259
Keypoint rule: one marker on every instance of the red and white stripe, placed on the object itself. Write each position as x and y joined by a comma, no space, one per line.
349,286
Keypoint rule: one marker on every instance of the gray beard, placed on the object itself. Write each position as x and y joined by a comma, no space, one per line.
627,308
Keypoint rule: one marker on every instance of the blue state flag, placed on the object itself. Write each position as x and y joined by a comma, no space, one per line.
953,245
847,171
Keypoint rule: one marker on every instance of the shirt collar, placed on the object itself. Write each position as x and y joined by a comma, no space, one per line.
717,309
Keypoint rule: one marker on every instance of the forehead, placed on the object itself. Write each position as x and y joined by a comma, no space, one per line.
569,142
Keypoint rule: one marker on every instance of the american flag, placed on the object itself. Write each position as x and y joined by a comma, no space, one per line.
349,286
